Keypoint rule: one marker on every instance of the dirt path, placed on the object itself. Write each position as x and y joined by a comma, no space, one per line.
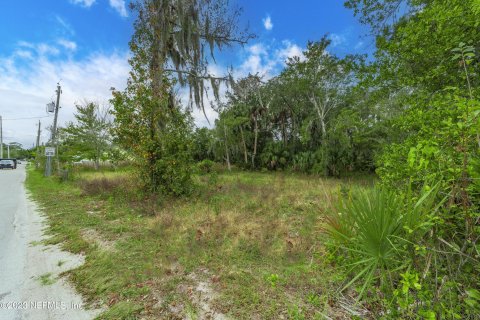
30,285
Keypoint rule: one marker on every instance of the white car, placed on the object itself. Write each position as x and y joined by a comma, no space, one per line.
5,164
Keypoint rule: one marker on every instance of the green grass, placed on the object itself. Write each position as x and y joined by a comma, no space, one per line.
255,238
46,279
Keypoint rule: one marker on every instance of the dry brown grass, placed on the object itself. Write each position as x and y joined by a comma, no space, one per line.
102,185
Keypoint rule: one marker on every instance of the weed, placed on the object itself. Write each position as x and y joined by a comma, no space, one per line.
273,279
46,279
296,313
314,299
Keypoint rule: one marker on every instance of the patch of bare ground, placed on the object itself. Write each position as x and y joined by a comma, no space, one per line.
203,295
95,238
194,295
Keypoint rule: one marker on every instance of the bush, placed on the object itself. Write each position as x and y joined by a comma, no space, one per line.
375,229
205,166
274,156
166,165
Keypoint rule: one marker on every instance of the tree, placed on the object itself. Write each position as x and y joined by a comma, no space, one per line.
323,78
170,46
174,36
252,96
290,121
89,137
203,144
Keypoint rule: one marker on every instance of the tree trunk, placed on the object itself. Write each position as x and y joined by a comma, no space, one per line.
255,141
227,157
156,73
321,116
244,145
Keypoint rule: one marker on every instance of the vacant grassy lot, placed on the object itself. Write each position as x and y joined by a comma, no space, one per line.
244,245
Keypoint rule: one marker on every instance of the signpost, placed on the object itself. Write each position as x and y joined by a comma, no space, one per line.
49,153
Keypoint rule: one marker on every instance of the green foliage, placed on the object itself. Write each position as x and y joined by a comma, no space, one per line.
375,229
202,145
16,151
89,136
158,139
310,118
274,156
412,298
173,167
304,161
427,64
205,166
272,279
436,134
149,123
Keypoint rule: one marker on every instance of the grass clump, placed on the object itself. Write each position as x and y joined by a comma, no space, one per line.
46,279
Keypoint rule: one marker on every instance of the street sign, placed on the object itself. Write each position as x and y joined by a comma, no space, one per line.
49,151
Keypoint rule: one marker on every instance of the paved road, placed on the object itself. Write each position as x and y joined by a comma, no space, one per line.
24,262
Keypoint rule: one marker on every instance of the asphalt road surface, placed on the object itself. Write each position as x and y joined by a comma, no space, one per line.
30,285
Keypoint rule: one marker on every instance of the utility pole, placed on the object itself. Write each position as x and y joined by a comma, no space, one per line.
48,168
37,157
38,135
54,132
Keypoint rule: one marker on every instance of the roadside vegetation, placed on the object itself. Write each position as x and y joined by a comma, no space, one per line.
264,214
251,244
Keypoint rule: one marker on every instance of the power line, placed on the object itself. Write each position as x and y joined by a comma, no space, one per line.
26,118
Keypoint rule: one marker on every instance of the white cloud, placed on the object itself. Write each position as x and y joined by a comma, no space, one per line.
258,49
44,49
29,50
27,85
337,39
199,117
290,50
119,6
84,3
267,23
26,54
267,60
359,45
67,44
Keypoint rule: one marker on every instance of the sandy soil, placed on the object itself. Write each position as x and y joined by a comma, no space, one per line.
30,283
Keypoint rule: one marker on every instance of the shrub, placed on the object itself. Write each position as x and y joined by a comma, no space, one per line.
375,228
205,166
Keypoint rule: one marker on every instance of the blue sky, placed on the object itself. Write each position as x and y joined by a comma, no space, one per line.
84,45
